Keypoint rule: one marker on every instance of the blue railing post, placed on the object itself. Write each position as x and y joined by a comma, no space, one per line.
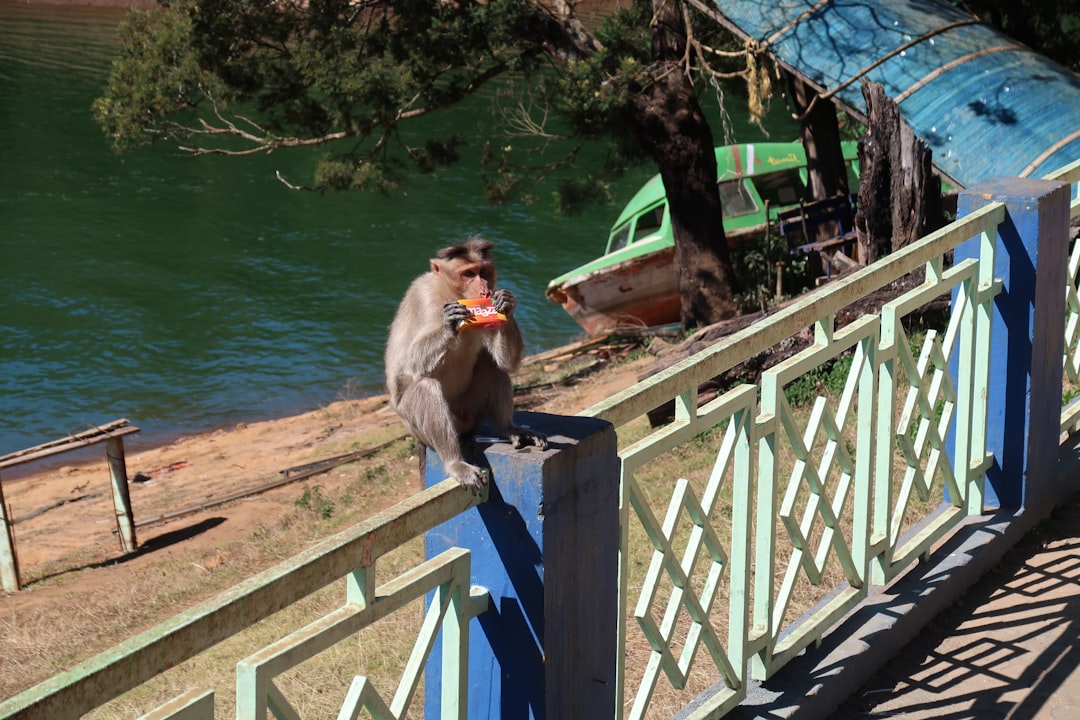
1027,336
545,546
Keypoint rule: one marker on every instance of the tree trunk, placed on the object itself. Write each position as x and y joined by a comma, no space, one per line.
821,141
671,126
899,195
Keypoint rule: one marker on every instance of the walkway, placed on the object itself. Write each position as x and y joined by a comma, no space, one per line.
1009,649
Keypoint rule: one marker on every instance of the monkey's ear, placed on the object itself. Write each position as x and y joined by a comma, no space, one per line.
436,268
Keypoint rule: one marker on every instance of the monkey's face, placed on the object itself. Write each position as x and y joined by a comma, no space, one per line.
475,280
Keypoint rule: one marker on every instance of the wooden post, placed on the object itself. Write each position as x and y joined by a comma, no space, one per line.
1027,337
9,564
125,521
545,545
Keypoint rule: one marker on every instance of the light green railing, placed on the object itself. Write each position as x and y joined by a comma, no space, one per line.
728,570
792,495
350,557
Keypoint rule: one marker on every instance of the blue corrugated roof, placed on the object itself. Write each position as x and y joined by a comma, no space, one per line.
986,105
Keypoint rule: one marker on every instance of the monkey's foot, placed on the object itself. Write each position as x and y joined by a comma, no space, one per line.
470,477
520,437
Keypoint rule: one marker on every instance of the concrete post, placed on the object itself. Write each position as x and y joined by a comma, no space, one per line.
1028,336
545,545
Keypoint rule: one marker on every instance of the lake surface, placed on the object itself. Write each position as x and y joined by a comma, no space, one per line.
189,294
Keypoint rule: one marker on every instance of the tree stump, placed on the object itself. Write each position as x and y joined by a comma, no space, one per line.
899,194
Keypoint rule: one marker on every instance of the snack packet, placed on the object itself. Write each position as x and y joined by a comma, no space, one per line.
482,315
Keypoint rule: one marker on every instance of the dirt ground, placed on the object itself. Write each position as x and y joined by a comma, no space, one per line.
52,539
65,526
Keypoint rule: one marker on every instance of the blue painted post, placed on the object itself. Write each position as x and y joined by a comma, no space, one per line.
545,546
1028,336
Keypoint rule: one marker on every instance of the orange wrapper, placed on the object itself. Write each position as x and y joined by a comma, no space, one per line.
482,315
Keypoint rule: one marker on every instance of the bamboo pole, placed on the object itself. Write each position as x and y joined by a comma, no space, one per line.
9,565
116,429
125,520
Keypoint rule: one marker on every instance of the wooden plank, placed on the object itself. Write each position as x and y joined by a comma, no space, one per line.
96,430
125,518
67,444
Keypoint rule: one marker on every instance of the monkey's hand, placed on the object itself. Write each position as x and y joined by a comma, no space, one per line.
454,313
504,301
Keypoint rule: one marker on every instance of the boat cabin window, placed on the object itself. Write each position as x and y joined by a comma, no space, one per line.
644,224
649,222
781,189
735,199
619,238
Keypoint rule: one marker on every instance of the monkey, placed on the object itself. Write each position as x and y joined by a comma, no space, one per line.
443,382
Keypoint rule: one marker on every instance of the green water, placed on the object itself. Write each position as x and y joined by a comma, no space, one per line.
187,294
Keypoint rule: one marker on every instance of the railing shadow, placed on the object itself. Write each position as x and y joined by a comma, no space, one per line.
1007,647
154,544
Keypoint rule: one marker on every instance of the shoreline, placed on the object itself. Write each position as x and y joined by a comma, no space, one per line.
134,445
212,510
137,444
198,472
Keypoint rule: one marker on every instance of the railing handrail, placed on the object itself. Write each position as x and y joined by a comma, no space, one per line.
1067,173
124,666
638,399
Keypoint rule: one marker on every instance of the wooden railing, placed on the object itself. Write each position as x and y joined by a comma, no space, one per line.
726,572
112,434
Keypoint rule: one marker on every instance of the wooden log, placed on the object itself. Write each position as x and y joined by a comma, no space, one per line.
125,517
9,563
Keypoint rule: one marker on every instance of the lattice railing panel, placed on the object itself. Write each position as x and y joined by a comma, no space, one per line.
1072,317
826,499
686,593
822,488
1070,414
922,429
934,435
451,608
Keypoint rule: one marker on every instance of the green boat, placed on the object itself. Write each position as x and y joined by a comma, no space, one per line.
633,285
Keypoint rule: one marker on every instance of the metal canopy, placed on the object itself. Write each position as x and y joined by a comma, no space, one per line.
986,105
